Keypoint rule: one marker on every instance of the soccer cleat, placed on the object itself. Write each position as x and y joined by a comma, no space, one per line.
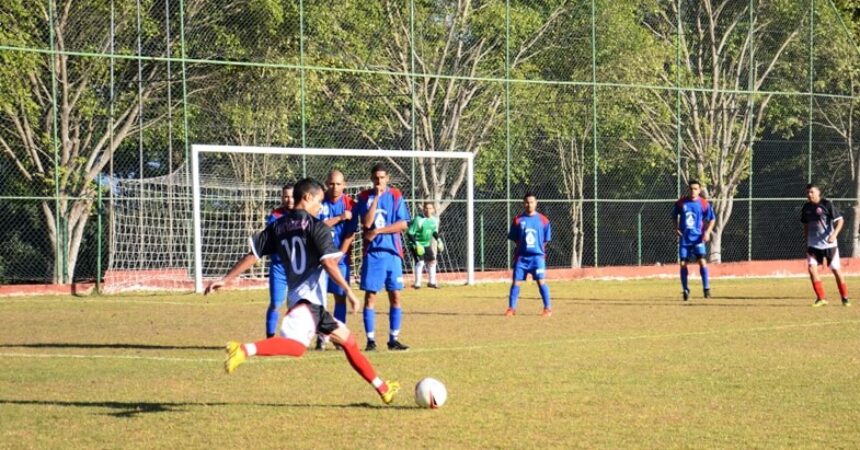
433,286
320,347
388,396
546,312
396,345
707,293
819,303
686,295
235,356
371,346
846,302
510,312
416,286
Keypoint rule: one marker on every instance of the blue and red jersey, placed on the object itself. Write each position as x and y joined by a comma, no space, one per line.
333,208
390,209
694,215
531,233
273,216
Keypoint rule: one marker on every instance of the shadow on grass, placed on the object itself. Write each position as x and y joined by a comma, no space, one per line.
115,345
134,409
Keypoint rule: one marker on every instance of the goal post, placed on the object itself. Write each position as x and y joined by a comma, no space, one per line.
320,161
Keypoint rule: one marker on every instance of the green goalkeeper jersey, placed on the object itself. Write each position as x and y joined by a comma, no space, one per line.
422,229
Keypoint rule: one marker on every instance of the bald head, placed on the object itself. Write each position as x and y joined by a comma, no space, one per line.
335,183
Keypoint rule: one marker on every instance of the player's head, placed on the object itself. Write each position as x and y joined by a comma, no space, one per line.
287,196
530,203
308,195
694,188
379,175
335,183
429,209
813,193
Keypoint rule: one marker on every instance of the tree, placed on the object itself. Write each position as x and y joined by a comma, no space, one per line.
723,48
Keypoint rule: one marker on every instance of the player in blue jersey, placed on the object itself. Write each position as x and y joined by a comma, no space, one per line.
277,276
531,232
383,215
693,220
336,212
308,255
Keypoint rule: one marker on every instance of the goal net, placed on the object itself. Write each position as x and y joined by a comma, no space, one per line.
234,189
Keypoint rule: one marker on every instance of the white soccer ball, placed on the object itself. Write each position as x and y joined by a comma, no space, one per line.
430,393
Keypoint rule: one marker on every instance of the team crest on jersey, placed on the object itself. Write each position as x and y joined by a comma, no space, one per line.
324,211
531,237
819,211
379,221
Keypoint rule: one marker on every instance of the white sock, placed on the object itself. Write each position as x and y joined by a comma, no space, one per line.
432,269
419,270
250,349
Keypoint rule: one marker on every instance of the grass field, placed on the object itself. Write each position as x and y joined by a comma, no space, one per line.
620,364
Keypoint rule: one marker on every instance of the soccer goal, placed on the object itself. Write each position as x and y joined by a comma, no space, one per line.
235,187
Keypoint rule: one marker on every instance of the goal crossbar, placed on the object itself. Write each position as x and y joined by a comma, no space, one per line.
197,149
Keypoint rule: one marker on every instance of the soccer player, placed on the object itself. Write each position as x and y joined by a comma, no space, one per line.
423,234
530,231
308,254
336,212
822,222
383,215
693,220
277,276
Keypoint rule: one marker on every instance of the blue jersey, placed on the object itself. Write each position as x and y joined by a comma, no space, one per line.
390,209
333,208
531,234
694,215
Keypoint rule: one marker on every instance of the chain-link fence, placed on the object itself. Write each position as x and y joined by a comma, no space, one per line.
604,109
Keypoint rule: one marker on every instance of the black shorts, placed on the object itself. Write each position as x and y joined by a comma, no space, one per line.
429,254
832,254
326,323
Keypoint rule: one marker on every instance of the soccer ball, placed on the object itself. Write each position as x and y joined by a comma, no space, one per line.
430,393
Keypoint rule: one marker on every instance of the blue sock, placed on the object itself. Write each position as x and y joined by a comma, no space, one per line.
706,283
395,317
513,297
340,311
544,294
370,323
271,320
684,278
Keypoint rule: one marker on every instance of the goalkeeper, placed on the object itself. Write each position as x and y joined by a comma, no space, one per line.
423,237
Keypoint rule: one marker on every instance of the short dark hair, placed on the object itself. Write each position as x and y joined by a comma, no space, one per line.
813,185
378,167
529,194
288,186
306,186
694,181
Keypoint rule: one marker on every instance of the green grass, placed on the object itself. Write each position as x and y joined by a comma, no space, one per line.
620,364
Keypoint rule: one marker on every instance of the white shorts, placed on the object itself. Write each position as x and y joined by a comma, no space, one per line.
305,320
818,256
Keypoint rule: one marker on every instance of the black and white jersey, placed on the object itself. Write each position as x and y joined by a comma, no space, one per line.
303,242
821,220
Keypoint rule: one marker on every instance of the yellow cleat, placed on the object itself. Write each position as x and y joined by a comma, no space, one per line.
235,356
388,396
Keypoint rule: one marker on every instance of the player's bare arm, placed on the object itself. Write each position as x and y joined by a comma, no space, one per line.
838,223
396,227
676,226
346,245
707,237
330,267
240,267
367,220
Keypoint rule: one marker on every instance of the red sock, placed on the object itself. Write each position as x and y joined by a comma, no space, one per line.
843,290
278,346
361,364
819,289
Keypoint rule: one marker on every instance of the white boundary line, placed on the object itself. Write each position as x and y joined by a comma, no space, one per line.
334,355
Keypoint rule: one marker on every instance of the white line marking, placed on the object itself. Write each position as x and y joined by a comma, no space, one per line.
337,355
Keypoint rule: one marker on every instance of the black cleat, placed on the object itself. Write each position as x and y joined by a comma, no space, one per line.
416,286
433,286
396,345
846,302
686,296
707,293
320,347
371,346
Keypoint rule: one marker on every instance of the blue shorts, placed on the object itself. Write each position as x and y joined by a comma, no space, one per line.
381,269
525,265
344,271
277,284
695,250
